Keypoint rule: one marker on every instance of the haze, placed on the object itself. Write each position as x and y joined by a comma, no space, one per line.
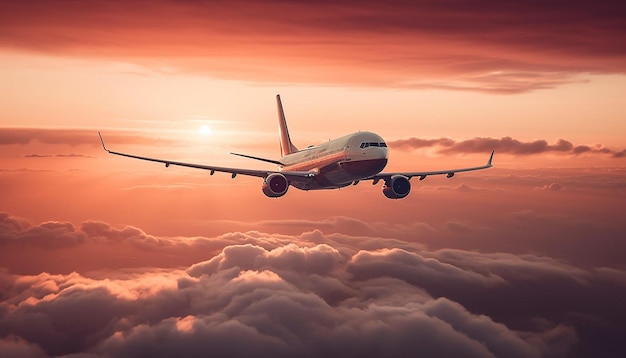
107,256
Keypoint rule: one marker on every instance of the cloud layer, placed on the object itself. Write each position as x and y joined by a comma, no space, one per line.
488,46
308,295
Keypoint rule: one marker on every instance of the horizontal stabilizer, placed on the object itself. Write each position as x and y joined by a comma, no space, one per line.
261,159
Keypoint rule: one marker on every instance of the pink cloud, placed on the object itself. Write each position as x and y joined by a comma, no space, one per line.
269,298
17,347
485,47
72,137
313,293
506,145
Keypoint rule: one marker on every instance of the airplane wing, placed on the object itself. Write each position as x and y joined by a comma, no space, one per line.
422,175
233,171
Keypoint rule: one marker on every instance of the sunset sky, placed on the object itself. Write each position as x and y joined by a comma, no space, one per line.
104,256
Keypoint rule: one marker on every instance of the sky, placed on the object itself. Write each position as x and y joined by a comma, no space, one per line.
104,256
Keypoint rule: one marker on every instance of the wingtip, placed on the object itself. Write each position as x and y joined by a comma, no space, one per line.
102,141
489,163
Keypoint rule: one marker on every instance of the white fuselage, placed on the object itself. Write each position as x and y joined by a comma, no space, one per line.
339,162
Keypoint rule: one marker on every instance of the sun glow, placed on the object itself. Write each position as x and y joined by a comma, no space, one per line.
204,130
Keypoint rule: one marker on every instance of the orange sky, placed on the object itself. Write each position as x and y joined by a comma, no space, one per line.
444,83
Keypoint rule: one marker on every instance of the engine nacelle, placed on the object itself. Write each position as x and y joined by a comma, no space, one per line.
275,185
397,187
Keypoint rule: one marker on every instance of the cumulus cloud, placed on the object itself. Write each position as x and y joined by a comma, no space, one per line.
279,302
92,245
414,268
16,347
502,145
48,235
12,224
309,295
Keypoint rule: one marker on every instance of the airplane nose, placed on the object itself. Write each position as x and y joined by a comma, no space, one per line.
381,153
376,153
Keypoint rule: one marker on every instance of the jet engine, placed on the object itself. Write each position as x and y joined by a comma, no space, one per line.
397,187
275,185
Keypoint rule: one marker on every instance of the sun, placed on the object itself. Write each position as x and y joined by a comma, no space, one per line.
204,130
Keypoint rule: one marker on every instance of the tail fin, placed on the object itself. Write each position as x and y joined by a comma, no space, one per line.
286,147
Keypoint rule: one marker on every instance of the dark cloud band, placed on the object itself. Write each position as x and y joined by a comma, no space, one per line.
488,46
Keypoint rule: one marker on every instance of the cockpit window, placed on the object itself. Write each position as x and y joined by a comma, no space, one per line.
373,144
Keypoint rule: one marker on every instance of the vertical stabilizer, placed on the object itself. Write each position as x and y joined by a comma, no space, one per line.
286,147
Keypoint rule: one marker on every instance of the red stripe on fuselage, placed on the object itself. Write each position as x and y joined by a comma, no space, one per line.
336,170
316,163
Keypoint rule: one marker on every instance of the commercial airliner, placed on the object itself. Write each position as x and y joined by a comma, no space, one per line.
336,164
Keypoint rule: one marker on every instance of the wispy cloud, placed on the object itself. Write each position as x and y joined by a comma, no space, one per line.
156,186
72,137
70,155
73,155
37,156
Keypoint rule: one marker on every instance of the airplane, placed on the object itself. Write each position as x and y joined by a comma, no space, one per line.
341,162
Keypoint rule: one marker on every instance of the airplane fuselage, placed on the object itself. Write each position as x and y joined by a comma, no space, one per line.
339,162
